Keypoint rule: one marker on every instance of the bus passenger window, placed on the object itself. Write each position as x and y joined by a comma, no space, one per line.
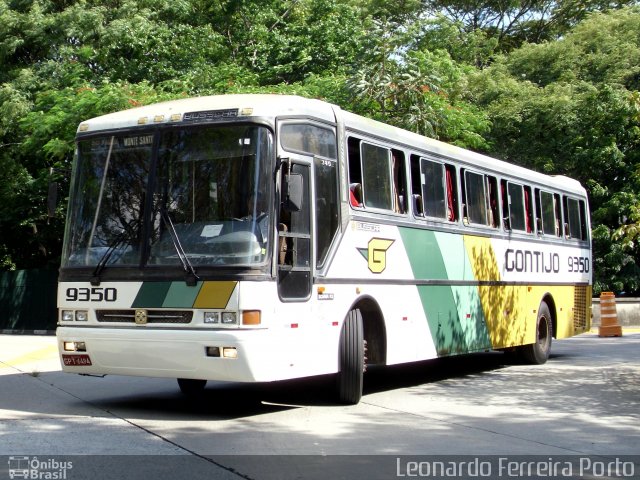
433,188
547,213
355,172
452,194
376,176
399,181
492,207
416,186
528,210
575,223
515,207
480,199
475,198
556,206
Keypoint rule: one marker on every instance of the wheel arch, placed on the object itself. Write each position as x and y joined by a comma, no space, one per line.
548,299
375,331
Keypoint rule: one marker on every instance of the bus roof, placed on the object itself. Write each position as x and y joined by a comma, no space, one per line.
273,105
250,105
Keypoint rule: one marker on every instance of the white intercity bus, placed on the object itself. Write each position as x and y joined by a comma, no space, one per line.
256,238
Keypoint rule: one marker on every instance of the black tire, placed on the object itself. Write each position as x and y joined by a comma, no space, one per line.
537,353
189,386
351,359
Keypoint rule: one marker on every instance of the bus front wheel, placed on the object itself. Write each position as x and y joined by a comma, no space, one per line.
189,386
537,353
351,359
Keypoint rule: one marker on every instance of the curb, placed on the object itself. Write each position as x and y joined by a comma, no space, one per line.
27,332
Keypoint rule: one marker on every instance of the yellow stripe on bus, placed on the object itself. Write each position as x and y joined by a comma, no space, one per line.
214,294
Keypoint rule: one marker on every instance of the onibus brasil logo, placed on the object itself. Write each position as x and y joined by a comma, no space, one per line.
27,467
376,253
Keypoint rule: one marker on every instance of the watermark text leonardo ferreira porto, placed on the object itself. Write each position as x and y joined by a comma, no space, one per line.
504,467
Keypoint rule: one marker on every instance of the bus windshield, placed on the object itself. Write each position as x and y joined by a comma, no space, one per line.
152,199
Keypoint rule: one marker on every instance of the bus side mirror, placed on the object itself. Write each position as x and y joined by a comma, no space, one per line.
292,192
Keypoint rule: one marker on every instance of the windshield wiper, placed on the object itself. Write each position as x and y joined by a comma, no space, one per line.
191,278
116,243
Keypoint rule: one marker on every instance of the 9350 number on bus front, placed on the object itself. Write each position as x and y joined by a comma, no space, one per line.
94,294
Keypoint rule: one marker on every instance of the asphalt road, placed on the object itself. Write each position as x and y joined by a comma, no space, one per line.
585,402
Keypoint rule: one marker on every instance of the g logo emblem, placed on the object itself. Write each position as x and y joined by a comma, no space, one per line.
376,254
141,317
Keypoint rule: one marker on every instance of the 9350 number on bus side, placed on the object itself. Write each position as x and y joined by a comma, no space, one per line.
94,294
578,264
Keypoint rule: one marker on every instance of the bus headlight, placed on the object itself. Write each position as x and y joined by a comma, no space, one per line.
74,346
82,315
67,316
229,352
211,317
229,318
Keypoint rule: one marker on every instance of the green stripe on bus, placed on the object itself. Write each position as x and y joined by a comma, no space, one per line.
181,295
454,314
475,333
151,295
424,254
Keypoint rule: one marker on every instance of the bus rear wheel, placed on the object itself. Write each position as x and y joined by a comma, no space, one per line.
189,386
537,353
351,359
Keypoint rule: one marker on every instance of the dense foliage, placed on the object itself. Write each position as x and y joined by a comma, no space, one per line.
551,85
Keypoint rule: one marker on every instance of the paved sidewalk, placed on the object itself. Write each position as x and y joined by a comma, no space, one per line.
32,354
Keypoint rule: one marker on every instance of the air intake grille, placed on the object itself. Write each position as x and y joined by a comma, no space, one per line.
580,311
153,316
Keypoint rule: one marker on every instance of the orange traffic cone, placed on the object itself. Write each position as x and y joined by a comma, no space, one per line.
609,326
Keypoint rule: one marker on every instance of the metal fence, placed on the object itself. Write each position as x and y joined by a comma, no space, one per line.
28,301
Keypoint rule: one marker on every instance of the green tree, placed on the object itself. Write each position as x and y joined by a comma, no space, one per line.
515,22
567,107
64,61
419,90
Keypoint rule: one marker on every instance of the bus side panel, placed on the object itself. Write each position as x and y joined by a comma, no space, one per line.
511,310
454,312
506,307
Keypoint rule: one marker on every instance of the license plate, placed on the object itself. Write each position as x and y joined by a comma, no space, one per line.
82,360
